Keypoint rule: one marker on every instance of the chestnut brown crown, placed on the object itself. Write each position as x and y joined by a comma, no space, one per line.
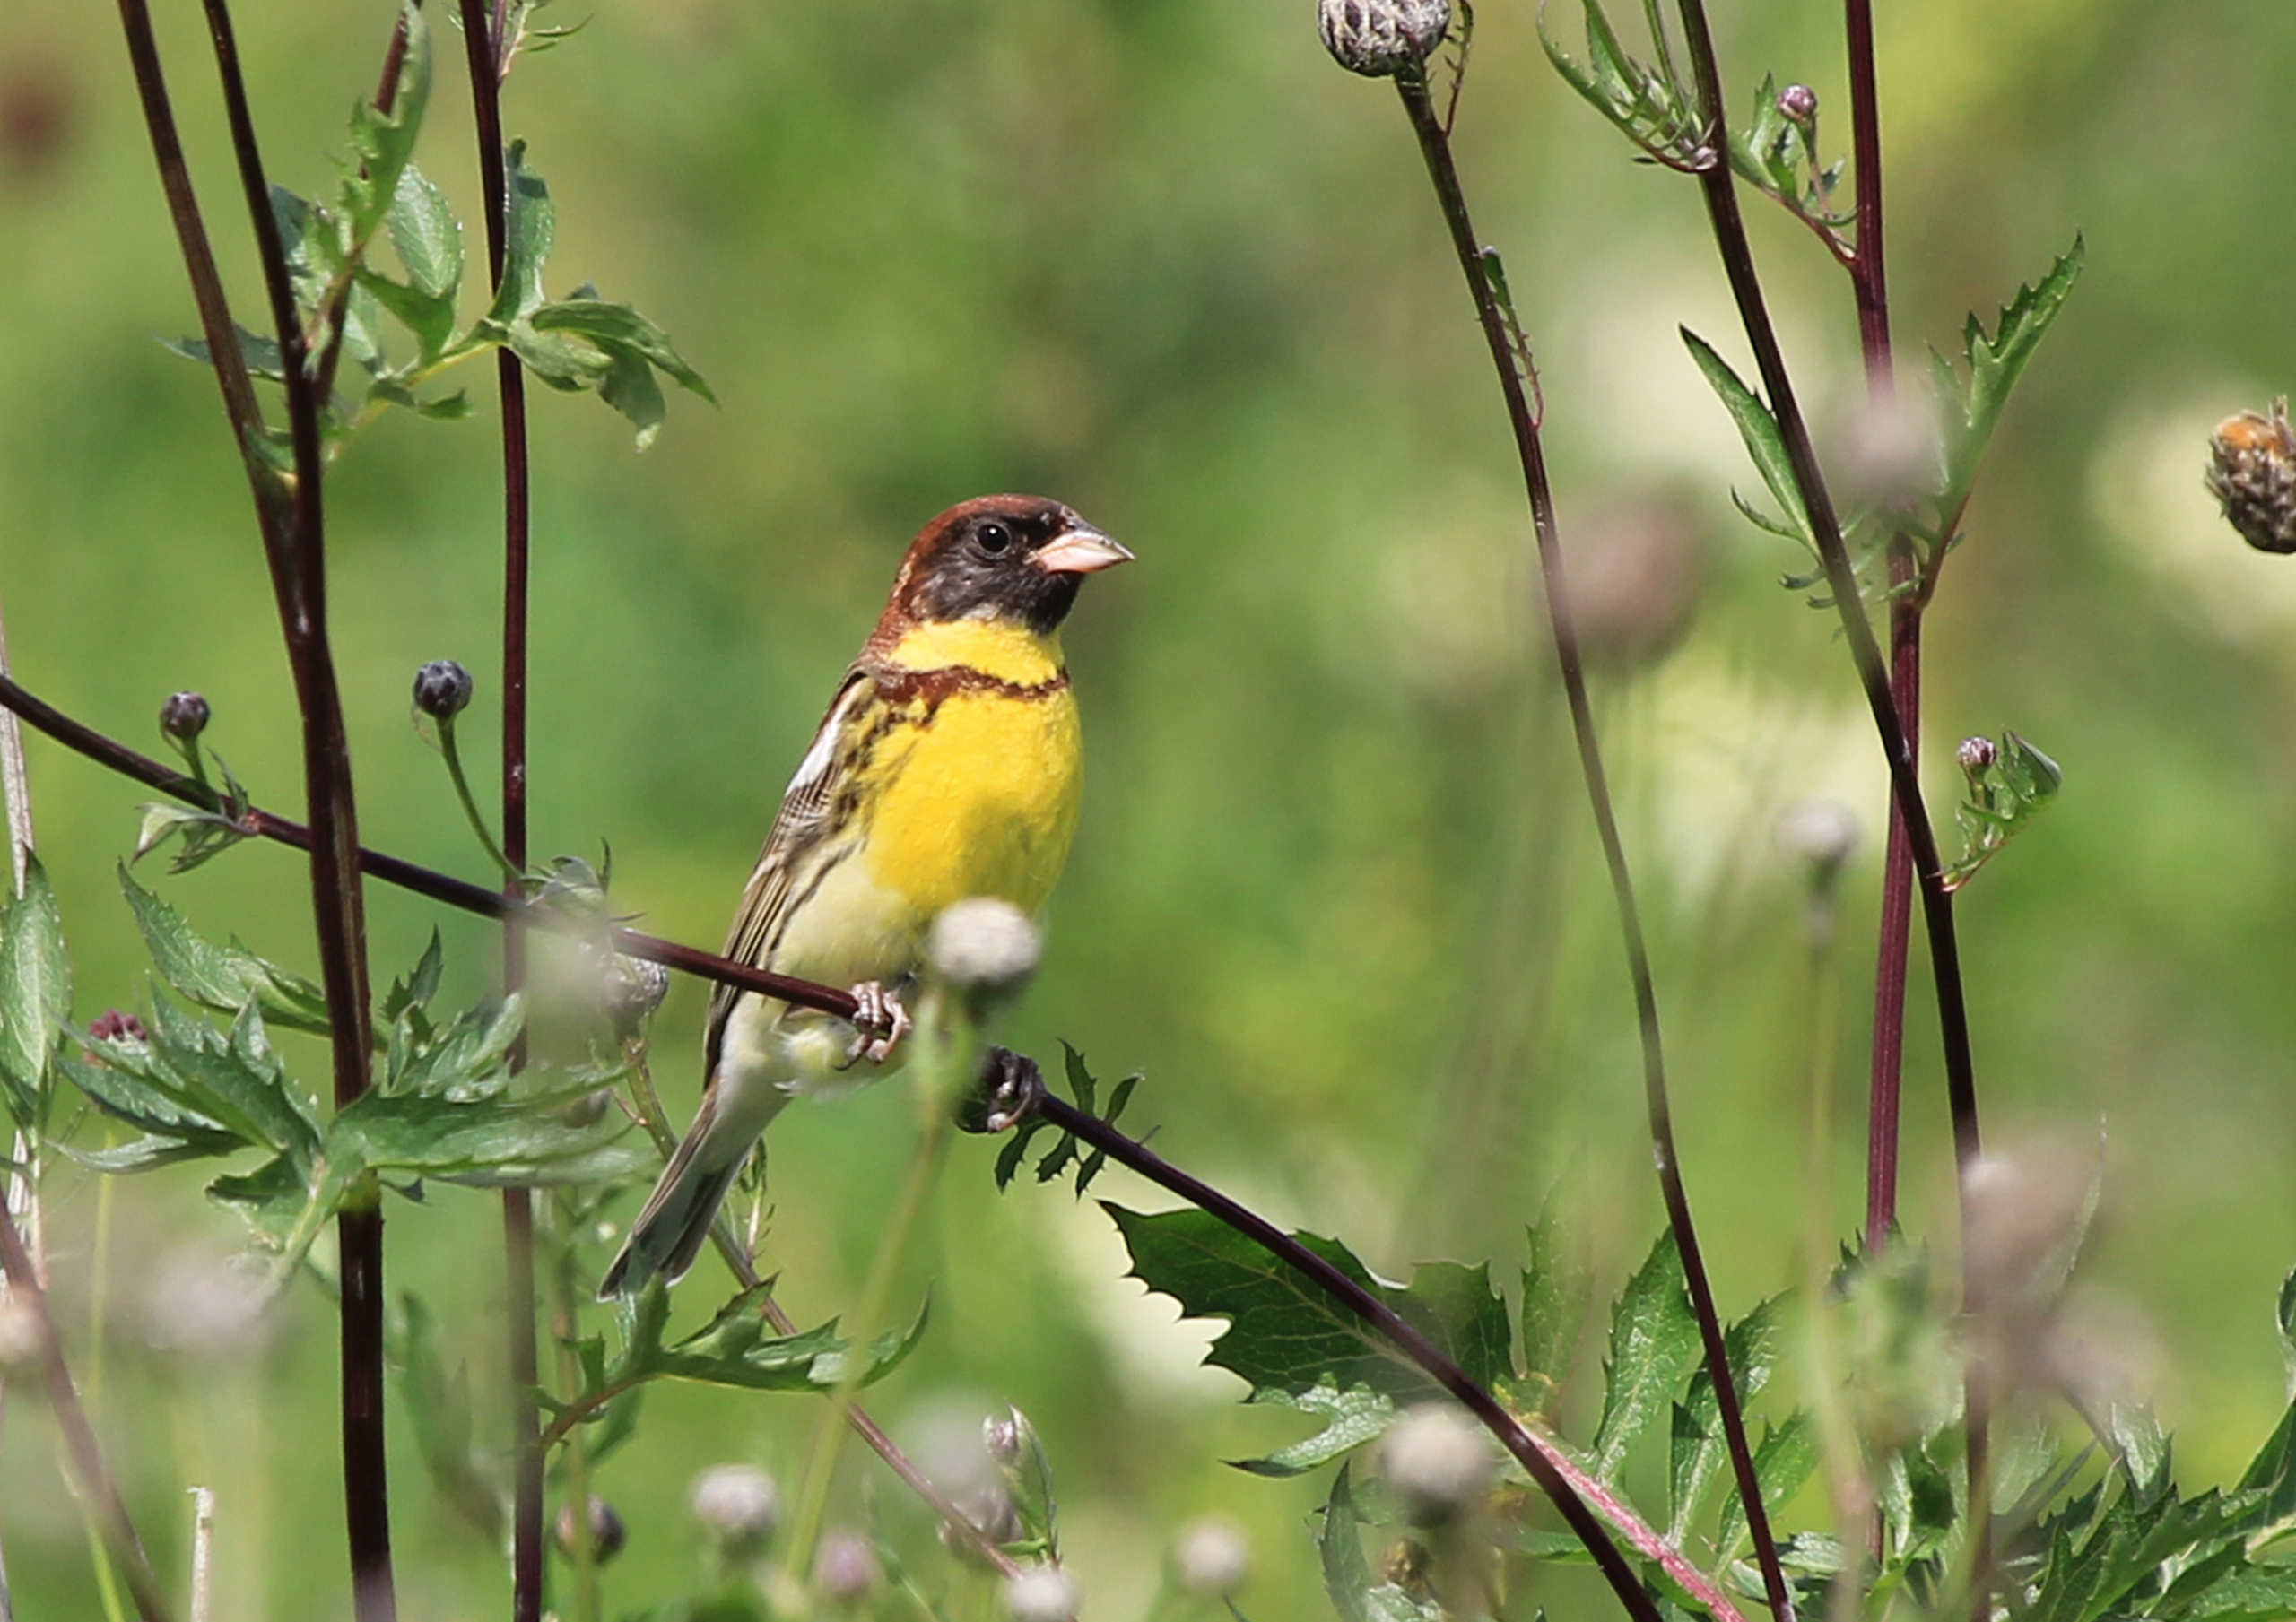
1010,558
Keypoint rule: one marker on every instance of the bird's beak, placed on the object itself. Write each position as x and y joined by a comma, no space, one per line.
1080,552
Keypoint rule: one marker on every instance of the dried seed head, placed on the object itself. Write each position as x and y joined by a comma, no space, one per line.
1439,1462
442,689
22,1340
1211,1558
846,1569
199,1303
1798,103
737,1504
2252,471
1975,755
992,1510
607,1533
1006,1439
1820,832
1380,38
984,947
1043,1595
184,717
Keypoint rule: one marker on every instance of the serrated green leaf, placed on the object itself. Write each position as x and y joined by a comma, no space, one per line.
427,238
1784,1459
35,980
1557,1285
1759,431
222,978
628,386
233,1081
420,983
124,1095
1698,1444
1995,362
2000,801
488,1142
258,353
429,316
533,230
618,326
277,1200
735,1348
1654,1347
382,143
148,1153
1284,1334
1351,1418
1455,1306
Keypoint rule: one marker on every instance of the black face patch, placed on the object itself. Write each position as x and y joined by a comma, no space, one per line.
983,565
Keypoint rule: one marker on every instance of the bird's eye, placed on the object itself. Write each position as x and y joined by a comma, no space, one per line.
993,538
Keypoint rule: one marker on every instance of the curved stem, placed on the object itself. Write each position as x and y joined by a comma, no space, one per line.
1510,357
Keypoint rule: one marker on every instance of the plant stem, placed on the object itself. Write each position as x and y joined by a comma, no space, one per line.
1501,333
483,52
20,1192
511,870
1869,279
1570,1489
297,546
1715,181
202,1554
92,1478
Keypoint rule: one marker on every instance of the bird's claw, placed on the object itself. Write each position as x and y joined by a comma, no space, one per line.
879,1023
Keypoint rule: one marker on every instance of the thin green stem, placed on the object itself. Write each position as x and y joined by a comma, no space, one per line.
476,817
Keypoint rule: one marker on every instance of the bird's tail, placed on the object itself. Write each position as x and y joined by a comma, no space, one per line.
670,1231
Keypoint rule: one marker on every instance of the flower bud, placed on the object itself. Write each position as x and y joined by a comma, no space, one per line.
1380,38
607,1533
442,689
984,948
737,1504
1797,104
184,717
846,1569
1975,755
113,1025
2252,471
1438,1461
1211,1558
1043,1595
633,989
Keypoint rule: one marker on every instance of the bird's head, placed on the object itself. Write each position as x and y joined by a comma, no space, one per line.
1015,559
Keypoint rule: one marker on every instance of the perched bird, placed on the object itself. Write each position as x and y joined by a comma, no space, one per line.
945,768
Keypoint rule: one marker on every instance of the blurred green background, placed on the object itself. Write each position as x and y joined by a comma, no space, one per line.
1335,892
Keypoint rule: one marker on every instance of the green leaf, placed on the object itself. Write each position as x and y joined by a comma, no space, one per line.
382,143
232,1081
2003,797
1455,1306
1995,362
1654,1347
1784,1459
420,983
489,1142
278,1201
259,354
222,978
1347,1575
1699,1446
532,230
1556,1287
438,1405
1351,1418
429,316
427,237
125,1096
736,1348
35,981
1759,431
618,326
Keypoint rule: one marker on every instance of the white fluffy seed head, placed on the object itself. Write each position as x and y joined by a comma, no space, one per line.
1819,831
1210,1557
984,947
1042,1595
21,1340
1438,1461
736,1503
846,1569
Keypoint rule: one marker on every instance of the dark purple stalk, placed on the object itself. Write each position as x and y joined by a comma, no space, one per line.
482,47
1720,191
93,1477
386,96
1501,336
294,539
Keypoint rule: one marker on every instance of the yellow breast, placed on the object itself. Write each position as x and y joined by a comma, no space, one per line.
980,784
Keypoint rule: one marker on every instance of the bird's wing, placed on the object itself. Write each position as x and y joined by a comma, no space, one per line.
814,830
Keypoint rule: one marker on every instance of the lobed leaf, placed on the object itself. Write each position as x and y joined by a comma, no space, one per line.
1995,363
1556,1287
222,978
1352,1416
1654,1347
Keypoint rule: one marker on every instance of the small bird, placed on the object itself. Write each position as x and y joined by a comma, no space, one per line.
946,768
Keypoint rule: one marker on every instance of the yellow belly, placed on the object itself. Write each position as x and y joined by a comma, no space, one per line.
980,802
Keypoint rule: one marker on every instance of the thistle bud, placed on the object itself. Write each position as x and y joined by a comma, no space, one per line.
1797,104
1439,1462
113,1025
1211,1559
2252,471
984,948
442,689
1975,755
737,1504
633,989
184,717
607,1533
1380,38
1043,1595
846,1569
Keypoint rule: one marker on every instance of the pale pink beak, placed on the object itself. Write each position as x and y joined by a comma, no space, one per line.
1080,552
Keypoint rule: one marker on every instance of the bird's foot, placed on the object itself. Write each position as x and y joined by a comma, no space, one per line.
879,1023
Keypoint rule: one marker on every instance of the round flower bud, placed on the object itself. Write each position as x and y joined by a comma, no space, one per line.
1042,1595
846,1569
1211,1558
21,1341
1438,1462
633,989
1798,103
184,717
607,1533
113,1025
442,689
1380,38
1821,832
737,1504
984,947
1975,755
2252,471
